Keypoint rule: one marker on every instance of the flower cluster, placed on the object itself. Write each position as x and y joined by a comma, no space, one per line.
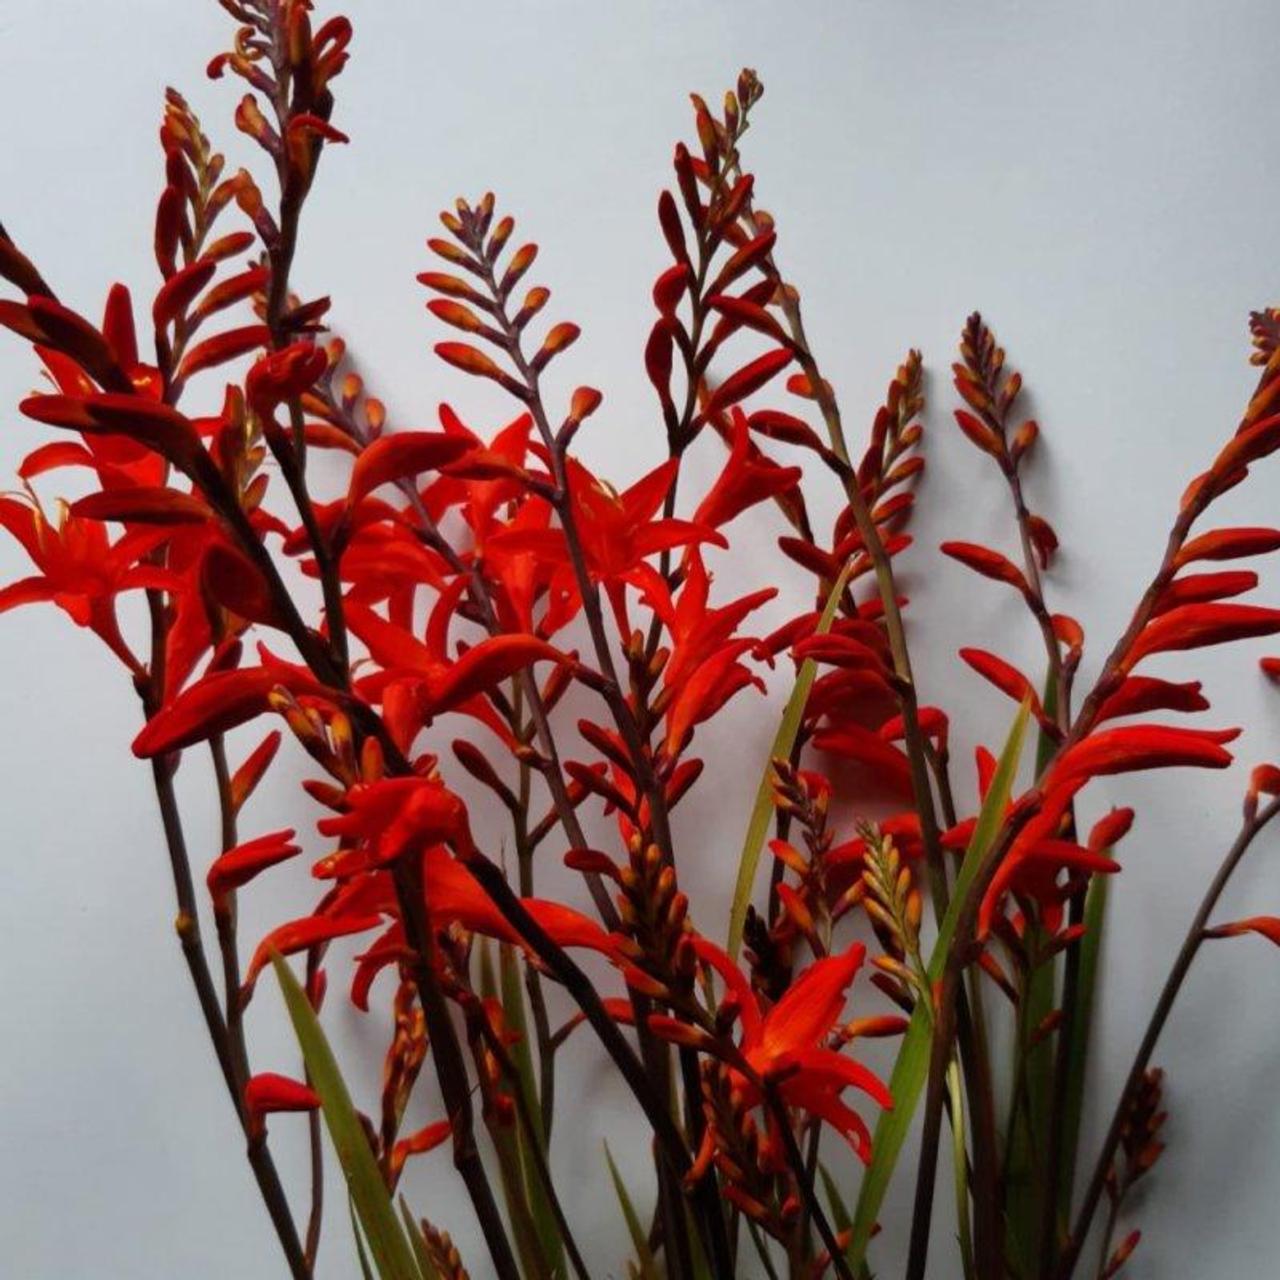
466,586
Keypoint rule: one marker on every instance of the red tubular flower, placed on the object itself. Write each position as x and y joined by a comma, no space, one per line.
132,417
267,1093
418,683
1139,694
302,935
1143,746
220,702
1193,626
1265,926
236,867
1229,544
1197,588
864,746
402,454
1007,678
453,894
747,380
991,564
418,1143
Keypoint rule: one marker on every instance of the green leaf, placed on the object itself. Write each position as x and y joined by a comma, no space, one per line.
544,1219
911,1068
841,1219
639,1240
783,741
420,1251
507,1145
1095,912
358,1236
370,1200
1023,1207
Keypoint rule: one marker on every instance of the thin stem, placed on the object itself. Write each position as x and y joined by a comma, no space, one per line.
451,1068
529,1124
188,930
224,917
808,1194
1108,1234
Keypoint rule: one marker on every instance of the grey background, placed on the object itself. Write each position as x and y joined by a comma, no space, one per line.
1100,179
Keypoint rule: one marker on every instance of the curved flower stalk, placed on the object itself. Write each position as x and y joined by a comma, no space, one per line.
423,633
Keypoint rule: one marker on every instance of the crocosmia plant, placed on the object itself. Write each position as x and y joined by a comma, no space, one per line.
495,661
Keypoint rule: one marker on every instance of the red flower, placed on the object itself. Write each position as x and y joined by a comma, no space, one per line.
748,477
617,530
236,867
267,1093
786,1045
80,569
387,819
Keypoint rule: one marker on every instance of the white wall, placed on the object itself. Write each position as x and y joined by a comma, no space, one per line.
1100,179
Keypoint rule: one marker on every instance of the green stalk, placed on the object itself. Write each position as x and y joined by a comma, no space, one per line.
960,1168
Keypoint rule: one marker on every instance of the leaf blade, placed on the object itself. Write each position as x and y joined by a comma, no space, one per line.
372,1204
639,1241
